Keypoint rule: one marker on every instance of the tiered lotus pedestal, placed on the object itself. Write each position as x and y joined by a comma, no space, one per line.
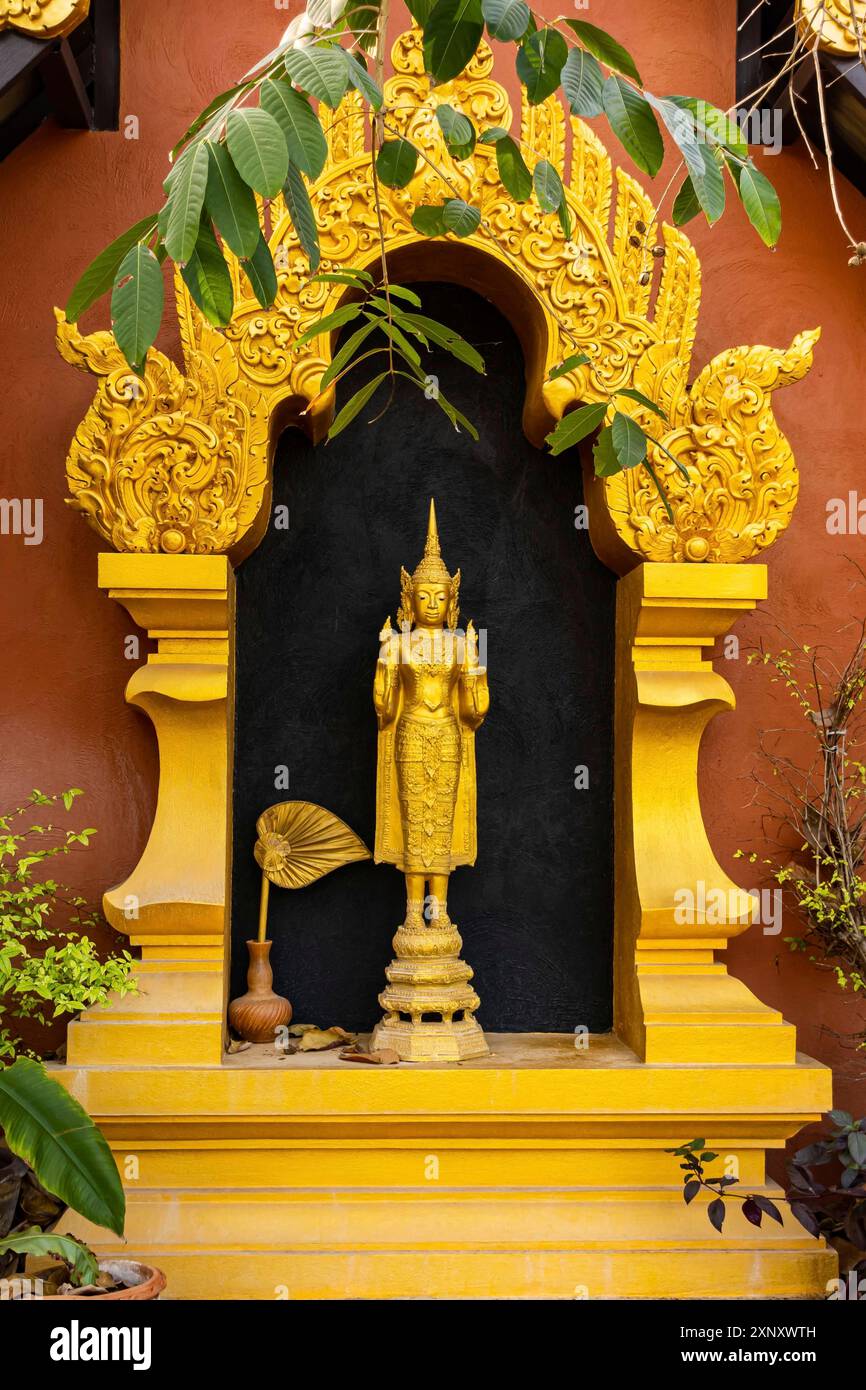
428,1001
538,1171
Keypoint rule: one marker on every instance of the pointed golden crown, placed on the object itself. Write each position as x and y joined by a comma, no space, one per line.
432,567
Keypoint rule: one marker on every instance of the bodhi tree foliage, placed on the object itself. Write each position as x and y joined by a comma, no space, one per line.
264,136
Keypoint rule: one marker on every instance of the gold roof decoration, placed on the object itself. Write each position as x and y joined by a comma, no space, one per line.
169,462
299,842
43,19
591,293
431,566
835,24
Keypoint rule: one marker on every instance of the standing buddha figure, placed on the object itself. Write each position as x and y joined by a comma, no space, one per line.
430,696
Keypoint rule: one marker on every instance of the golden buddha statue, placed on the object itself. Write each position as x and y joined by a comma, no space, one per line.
430,695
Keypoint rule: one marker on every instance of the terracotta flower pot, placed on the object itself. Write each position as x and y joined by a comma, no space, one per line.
145,1283
258,1014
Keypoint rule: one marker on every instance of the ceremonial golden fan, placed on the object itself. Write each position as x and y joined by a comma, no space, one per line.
299,842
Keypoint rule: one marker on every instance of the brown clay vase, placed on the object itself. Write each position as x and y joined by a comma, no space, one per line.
258,1014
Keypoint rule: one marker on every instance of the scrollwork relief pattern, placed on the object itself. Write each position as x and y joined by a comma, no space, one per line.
131,466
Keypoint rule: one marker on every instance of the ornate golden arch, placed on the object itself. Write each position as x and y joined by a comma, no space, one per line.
176,470
181,462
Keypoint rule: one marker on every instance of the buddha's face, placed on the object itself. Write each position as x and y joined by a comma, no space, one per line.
430,604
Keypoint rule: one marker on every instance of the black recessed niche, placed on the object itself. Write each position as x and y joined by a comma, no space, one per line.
536,911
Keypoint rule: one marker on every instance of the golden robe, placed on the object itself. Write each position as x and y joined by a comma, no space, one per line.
425,783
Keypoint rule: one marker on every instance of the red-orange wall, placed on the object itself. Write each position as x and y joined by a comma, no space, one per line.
64,195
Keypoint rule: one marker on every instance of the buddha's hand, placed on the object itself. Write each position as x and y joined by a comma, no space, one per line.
386,685
474,697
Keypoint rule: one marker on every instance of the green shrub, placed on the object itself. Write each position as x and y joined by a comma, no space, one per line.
49,966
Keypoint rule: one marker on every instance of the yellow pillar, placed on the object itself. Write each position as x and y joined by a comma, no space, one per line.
173,904
674,1002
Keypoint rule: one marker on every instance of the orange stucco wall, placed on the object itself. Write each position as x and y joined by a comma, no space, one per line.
63,195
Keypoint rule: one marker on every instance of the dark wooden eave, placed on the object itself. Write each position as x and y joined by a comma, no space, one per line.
765,27
74,80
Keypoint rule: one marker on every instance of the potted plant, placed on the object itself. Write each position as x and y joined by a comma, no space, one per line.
59,1158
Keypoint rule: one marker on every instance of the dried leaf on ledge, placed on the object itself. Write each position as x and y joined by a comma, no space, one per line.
380,1056
319,1039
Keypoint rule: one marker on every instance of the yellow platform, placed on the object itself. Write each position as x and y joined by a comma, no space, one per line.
536,1172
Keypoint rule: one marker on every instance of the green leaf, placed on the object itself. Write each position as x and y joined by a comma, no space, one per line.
102,271
346,353
459,217
576,426
329,323
37,1243
429,220
564,216
304,137
841,1118
548,186
46,1127
716,1213
493,134
185,203
420,10
356,404
686,205
136,304
761,203
454,415
857,1147
664,498
320,70
605,48
513,170
444,337
711,124
211,109
300,210
451,36
578,359
582,83
231,203
706,176
207,278
341,277
633,123
259,270
396,163
401,343
458,130
362,17
360,79
604,457
258,148
540,60
506,19
629,440
635,395
403,293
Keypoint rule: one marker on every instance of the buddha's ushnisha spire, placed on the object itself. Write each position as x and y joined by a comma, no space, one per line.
432,567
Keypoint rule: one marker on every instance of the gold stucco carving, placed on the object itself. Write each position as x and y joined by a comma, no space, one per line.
131,468
835,23
43,19
168,462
